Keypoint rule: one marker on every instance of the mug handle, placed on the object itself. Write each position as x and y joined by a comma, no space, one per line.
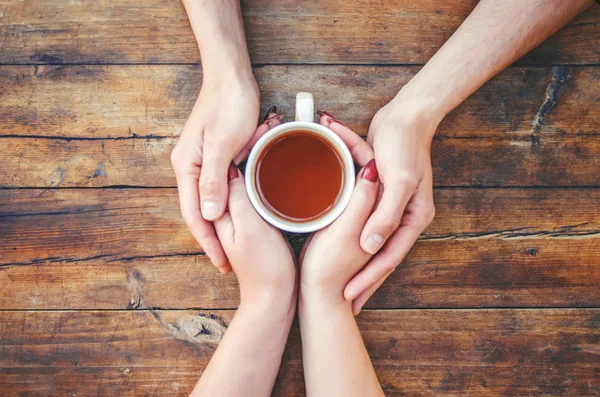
305,107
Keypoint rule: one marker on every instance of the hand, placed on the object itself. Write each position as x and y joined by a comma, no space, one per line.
401,139
261,258
219,127
333,255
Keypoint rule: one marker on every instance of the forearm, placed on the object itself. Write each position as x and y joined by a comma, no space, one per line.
495,35
336,362
219,32
248,358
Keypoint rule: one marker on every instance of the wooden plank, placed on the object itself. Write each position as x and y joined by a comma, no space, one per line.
534,161
139,101
357,31
85,249
418,352
77,224
73,225
482,272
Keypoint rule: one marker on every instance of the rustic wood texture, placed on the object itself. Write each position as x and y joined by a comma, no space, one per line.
123,248
104,291
139,101
420,352
312,31
531,161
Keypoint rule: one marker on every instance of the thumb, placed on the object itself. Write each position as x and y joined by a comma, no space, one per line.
387,216
239,207
213,182
362,201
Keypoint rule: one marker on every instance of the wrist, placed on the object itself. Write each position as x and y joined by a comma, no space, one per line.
423,100
409,113
229,72
313,296
276,301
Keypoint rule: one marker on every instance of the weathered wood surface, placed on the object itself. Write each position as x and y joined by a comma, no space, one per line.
128,248
137,101
532,161
481,272
419,352
357,31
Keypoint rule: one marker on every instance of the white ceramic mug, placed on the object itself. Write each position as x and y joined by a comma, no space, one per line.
304,122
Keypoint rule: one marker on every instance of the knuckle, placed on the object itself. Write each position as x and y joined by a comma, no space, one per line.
209,186
390,223
406,179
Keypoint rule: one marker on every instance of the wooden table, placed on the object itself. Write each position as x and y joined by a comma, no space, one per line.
104,291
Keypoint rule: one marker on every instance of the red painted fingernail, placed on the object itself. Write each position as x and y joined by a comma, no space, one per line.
272,109
232,173
330,118
370,172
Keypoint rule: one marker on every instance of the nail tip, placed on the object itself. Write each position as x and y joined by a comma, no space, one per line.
272,109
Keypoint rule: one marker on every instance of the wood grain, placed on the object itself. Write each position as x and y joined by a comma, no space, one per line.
140,101
125,248
357,31
533,161
417,352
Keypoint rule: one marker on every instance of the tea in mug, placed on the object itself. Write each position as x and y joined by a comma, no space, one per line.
299,176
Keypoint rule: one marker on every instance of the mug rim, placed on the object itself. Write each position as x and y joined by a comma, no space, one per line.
347,187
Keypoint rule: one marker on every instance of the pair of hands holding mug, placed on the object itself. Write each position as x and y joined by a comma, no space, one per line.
221,129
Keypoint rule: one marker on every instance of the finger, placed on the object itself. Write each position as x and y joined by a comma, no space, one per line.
362,201
360,150
213,181
239,205
387,259
271,121
360,300
387,216
202,230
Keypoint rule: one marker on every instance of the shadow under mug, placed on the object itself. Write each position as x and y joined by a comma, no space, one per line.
304,122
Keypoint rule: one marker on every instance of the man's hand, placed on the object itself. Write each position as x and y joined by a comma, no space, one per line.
220,125
495,34
401,139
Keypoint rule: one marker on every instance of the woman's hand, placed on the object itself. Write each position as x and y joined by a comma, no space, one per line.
401,140
219,127
335,360
333,255
261,257
265,268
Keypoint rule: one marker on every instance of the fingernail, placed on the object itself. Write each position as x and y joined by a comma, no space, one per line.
370,172
330,118
232,172
272,118
357,312
373,243
272,109
210,210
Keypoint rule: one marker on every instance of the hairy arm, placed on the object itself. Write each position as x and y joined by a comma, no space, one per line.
219,32
496,34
